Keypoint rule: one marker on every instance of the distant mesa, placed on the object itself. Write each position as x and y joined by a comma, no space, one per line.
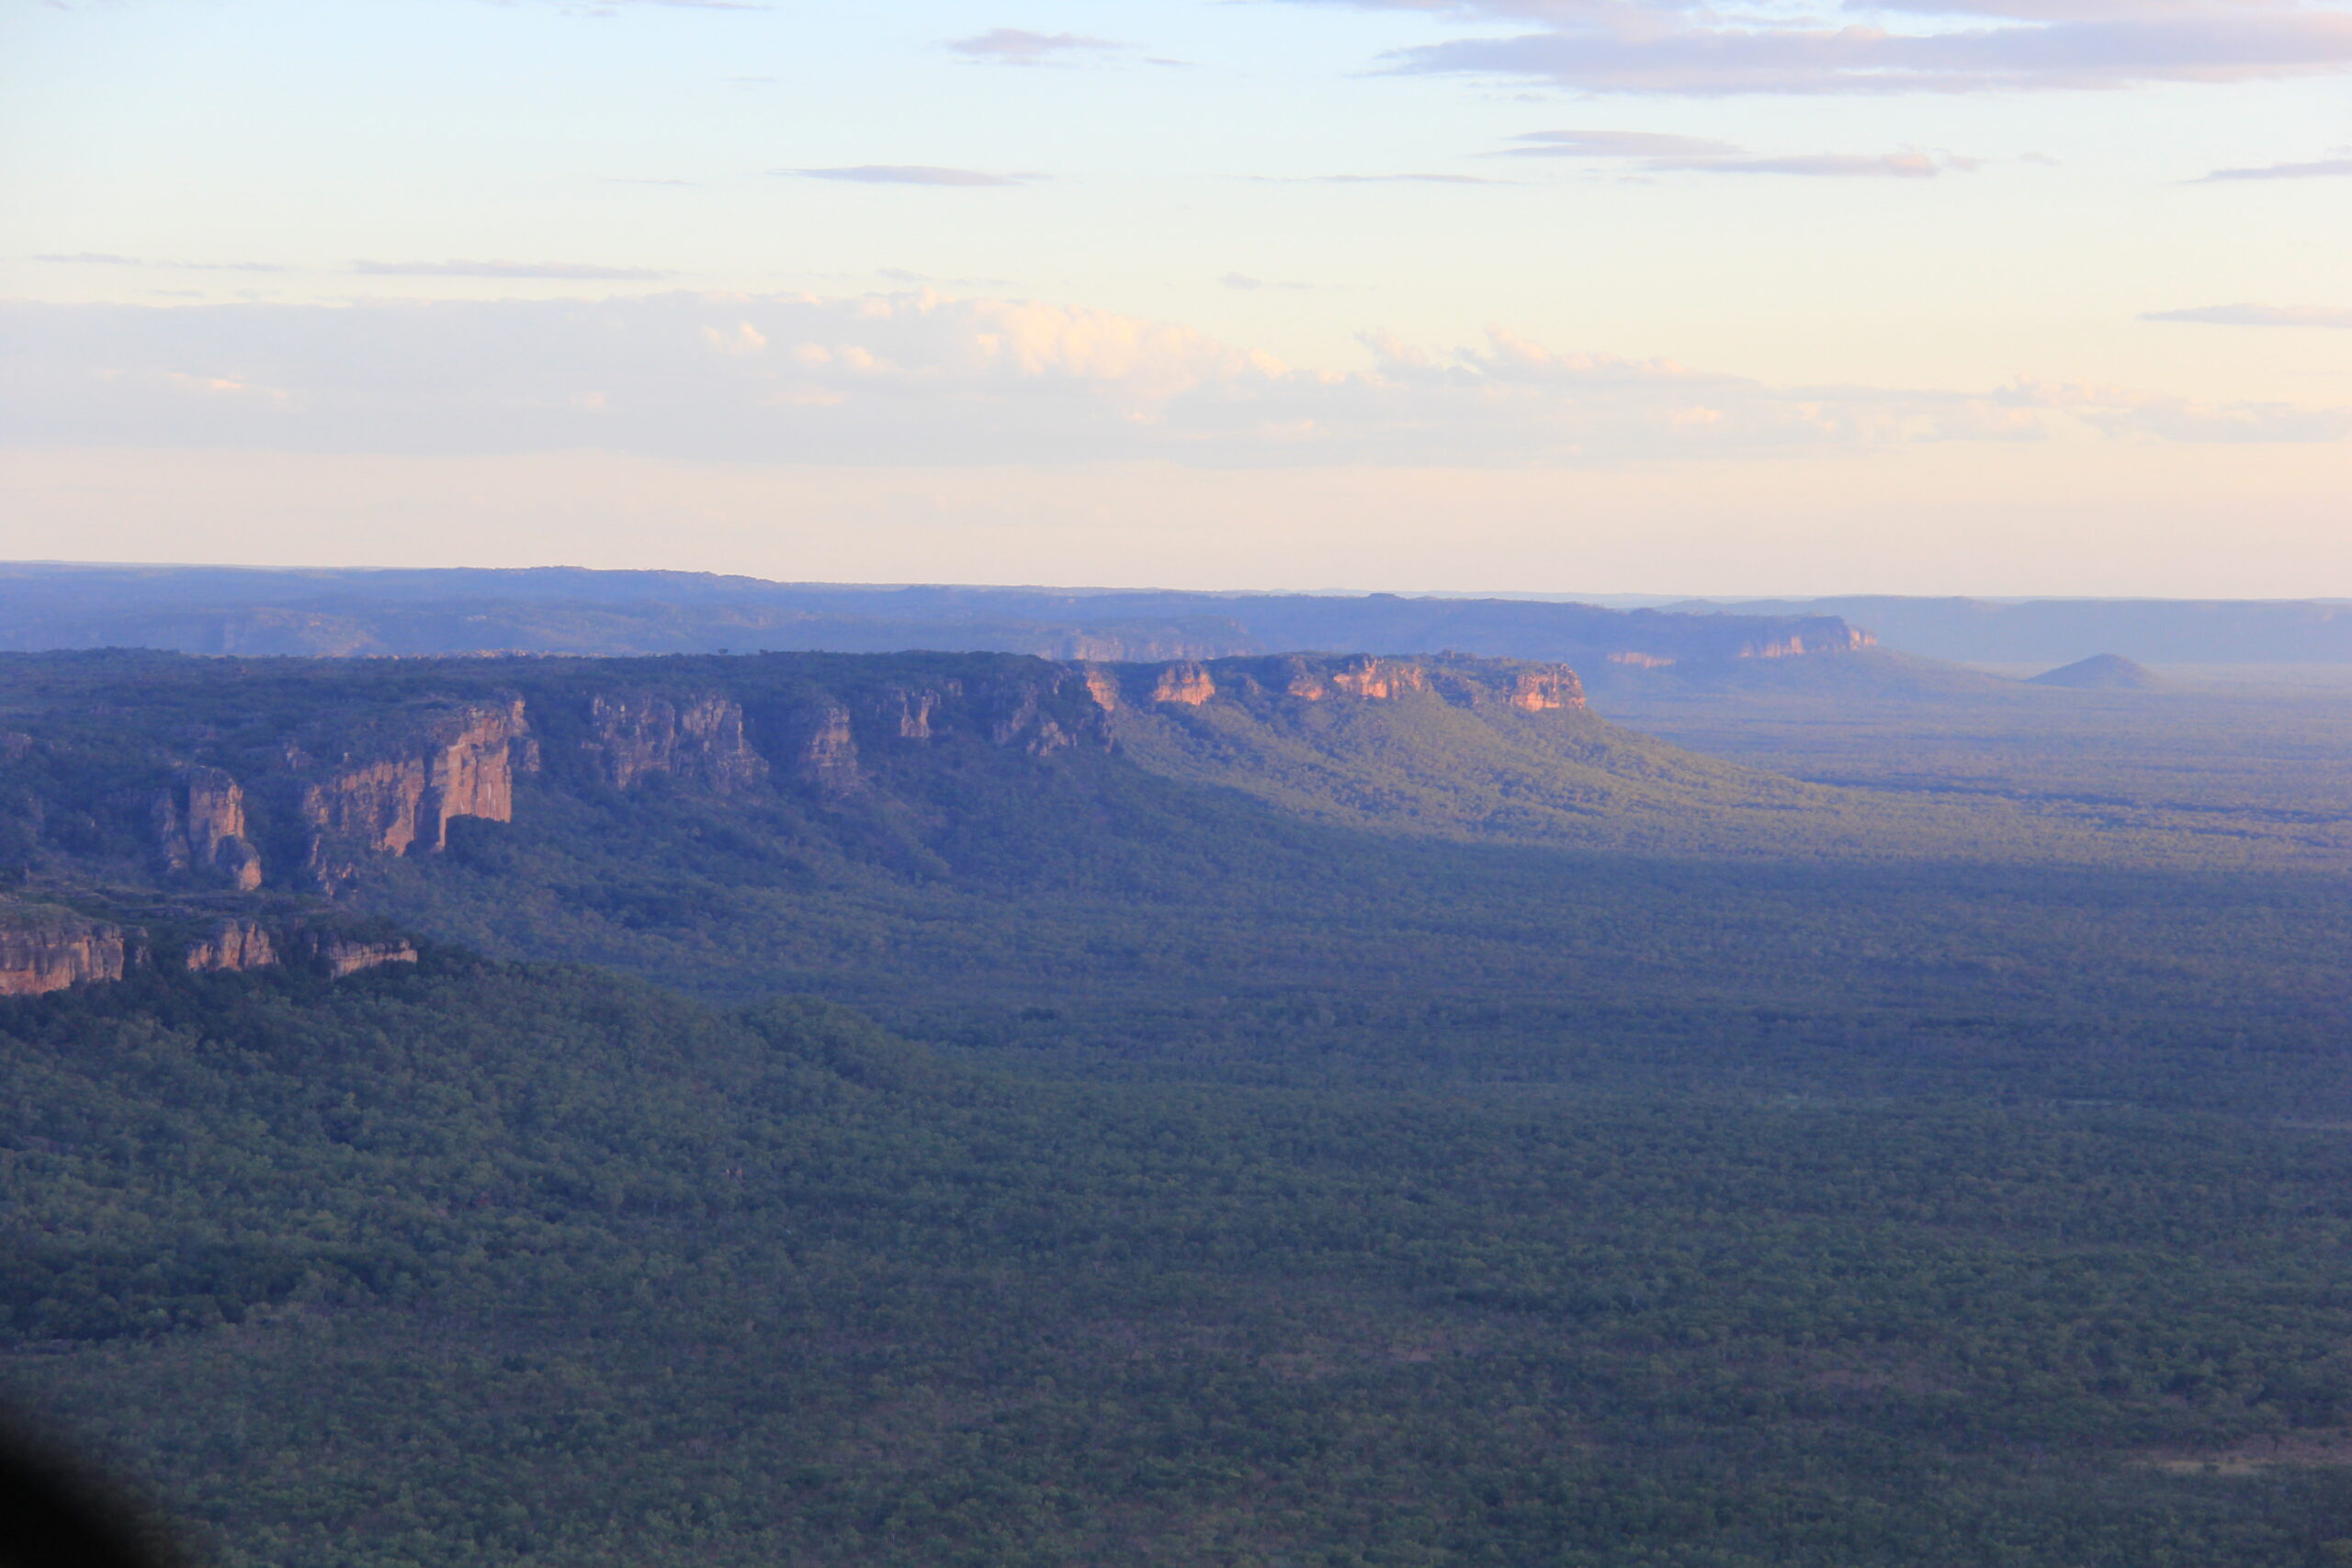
2104,673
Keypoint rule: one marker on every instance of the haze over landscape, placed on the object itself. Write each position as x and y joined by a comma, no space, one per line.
1240,784
1929,296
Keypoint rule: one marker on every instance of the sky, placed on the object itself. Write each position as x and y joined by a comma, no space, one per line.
2005,297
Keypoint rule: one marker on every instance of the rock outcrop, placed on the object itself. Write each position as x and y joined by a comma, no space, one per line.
1185,683
458,762
200,828
1378,680
232,946
697,739
44,950
1838,638
819,749
1458,681
1544,688
1042,711
904,712
1035,707
344,953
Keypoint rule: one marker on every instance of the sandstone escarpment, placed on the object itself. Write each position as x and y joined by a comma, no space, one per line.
819,746
48,950
1838,638
460,762
1043,713
1184,682
200,828
1545,688
905,712
344,953
232,946
697,739
1457,680
1377,680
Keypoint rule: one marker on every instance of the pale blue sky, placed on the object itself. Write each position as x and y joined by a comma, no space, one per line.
1722,257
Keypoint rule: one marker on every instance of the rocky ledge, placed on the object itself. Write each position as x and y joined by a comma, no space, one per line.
48,947
45,948
1456,681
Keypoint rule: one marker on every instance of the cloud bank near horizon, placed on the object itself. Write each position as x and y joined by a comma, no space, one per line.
2258,315
921,379
1658,47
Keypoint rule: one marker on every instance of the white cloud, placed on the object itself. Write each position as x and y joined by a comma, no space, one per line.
580,271
102,258
920,379
908,175
2258,315
1616,144
2119,411
1660,152
1671,46
1018,45
1399,179
2324,168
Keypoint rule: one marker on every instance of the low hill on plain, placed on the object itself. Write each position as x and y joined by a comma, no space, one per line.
2104,673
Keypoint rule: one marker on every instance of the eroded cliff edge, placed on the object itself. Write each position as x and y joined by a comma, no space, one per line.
235,786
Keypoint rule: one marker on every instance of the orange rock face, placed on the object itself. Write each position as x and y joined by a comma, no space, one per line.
824,751
700,739
460,764
200,827
234,945
1379,680
906,711
50,954
1453,679
1847,639
1187,683
348,956
1539,690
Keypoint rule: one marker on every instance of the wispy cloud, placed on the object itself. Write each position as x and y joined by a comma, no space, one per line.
909,174
613,8
1247,284
584,271
1403,179
1661,152
103,258
916,378
1615,144
1018,45
2324,168
1667,47
2258,315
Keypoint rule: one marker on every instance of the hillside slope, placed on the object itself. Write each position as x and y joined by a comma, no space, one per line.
1481,747
1377,885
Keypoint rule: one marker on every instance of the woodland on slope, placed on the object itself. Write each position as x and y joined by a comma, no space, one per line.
1433,1128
